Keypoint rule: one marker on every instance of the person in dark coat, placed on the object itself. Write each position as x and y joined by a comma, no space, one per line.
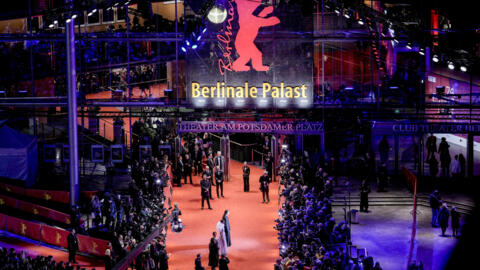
364,190
219,181
179,172
223,263
455,216
197,160
198,262
445,158
462,161
72,246
443,217
431,145
210,164
188,168
433,166
268,164
209,174
213,251
264,181
163,258
205,191
435,203
383,148
246,177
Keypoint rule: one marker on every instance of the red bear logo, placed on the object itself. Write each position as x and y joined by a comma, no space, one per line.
249,25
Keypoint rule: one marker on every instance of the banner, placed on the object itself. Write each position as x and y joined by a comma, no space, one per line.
92,245
9,202
48,195
3,221
54,236
25,228
256,57
251,127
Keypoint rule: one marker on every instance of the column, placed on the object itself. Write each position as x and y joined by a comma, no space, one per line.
396,137
225,149
72,108
274,147
470,156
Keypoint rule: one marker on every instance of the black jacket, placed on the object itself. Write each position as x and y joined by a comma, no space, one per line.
223,263
72,242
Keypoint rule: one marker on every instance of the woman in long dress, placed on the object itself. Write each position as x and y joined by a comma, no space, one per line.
226,222
222,239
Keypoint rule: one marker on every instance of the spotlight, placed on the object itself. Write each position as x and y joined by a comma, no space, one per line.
217,14
409,46
89,14
188,43
204,30
395,40
74,16
184,50
421,52
337,10
51,25
198,38
194,46
463,68
94,10
451,66
360,21
68,20
346,15
284,146
55,22
435,59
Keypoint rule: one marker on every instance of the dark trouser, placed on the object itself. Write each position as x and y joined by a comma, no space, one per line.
435,216
210,192
188,175
220,185
446,171
444,229
364,202
71,255
205,197
454,231
198,167
246,183
265,195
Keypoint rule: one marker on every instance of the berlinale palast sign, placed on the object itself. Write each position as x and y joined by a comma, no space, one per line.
244,62
249,127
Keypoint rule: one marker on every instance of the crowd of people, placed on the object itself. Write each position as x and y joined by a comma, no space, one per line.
13,260
308,233
441,215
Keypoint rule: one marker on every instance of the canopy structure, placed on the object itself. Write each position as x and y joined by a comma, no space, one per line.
18,155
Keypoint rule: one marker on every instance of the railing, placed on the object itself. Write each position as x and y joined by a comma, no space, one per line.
242,152
128,260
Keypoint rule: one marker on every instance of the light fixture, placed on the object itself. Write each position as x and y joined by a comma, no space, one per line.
68,20
55,22
395,40
217,14
421,52
346,15
435,59
187,42
451,66
409,46
360,21
337,10
184,50
194,46
51,25
74,16
463,68
94,10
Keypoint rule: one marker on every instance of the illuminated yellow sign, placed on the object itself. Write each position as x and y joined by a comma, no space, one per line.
221,90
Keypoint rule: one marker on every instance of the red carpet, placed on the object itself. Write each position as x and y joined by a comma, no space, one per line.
254,240
34,250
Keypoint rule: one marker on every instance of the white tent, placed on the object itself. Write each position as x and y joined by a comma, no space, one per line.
18,155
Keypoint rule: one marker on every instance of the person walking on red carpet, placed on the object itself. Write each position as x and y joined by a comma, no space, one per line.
246,177
226,222
219,180
264,181
72,246
222,238
213,251
205,190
